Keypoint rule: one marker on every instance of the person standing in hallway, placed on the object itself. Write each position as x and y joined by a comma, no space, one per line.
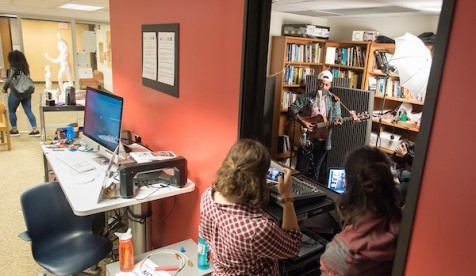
18,64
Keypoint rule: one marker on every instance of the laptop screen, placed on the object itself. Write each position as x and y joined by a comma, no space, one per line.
336,180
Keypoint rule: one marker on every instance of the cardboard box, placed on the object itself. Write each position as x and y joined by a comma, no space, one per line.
385,140
306,30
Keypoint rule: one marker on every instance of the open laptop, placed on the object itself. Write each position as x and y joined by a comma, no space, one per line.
336,180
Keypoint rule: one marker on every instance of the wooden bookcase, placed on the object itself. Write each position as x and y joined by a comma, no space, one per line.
389,96
350,59
292,58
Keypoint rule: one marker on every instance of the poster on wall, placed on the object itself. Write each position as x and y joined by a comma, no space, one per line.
160,57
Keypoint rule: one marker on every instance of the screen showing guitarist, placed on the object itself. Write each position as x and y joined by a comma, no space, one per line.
310,110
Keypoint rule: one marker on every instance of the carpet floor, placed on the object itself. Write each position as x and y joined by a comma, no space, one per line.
21,168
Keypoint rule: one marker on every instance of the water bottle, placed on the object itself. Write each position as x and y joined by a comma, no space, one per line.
126,251
70,134
203,251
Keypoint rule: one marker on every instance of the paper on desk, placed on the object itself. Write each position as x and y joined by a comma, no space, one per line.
144,268
148,156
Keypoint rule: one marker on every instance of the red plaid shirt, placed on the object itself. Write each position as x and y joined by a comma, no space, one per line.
243,239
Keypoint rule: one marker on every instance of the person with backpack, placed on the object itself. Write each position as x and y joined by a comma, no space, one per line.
18,65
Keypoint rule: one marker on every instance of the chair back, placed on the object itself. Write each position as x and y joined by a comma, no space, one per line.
48,214
4,127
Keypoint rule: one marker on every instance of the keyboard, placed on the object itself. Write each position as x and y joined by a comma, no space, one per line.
76,161
304,191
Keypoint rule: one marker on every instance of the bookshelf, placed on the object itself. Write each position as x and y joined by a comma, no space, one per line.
292,59
347,60
390,96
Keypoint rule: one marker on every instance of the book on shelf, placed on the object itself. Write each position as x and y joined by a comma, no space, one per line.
397,91
372,84
288,98
381,85
283,144
330,55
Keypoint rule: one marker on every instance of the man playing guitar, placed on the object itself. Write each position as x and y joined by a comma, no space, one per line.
308,110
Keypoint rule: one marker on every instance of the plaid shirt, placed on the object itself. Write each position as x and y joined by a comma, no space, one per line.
243,239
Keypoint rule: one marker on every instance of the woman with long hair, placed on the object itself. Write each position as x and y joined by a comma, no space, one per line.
18,65
371,212
243,238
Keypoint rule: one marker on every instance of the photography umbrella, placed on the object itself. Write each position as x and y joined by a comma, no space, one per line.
413,61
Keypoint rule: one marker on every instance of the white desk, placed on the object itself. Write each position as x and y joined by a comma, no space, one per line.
82,192
161,259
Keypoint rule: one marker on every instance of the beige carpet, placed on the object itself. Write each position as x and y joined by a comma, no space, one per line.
21,168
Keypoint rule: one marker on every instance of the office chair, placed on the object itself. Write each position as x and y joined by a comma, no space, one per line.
4,128
61,242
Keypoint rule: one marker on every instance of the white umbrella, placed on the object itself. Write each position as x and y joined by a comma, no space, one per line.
413,61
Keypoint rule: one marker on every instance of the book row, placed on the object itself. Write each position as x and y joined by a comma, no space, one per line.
348,56
389,87
295,75
303,52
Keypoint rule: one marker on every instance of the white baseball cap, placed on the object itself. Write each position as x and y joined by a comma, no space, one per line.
325,76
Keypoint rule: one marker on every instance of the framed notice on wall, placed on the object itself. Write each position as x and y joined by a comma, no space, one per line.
160,66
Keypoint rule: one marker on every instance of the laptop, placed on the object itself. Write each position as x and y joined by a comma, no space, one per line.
336,180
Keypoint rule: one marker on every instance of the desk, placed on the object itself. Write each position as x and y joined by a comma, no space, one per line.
190,251
82,191
44,108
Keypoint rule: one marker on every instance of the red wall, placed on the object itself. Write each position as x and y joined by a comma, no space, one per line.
444,237
202,123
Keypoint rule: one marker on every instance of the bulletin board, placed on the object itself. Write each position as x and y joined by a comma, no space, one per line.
160,57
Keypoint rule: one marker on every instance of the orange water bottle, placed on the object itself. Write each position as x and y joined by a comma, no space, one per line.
126,251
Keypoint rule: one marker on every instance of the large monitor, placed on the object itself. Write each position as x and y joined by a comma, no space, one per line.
102,121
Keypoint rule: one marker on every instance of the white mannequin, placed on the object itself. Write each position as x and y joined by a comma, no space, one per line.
63,60
48,84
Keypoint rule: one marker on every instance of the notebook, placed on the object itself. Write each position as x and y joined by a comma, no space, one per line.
336,181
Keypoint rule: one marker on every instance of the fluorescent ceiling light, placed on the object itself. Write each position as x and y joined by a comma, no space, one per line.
80,7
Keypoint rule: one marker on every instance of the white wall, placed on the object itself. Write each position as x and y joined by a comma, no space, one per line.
103,32
341,29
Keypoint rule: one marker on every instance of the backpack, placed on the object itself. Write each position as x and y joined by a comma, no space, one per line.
22,86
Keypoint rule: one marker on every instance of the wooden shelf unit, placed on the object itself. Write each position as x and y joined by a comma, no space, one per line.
289,55
392,100
350,60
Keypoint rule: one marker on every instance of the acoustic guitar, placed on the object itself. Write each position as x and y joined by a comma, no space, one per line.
320,130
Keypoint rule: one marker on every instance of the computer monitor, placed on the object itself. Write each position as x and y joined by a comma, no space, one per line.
336,181
102,121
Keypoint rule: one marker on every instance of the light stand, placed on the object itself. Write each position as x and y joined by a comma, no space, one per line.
387,69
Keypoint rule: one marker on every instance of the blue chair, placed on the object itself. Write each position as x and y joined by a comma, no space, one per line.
61,242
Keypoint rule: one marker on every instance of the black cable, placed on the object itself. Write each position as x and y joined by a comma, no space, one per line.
143,220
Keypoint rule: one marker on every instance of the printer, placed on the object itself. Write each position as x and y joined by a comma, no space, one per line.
132,176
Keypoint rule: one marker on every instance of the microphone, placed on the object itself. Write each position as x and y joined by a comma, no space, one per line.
303,141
